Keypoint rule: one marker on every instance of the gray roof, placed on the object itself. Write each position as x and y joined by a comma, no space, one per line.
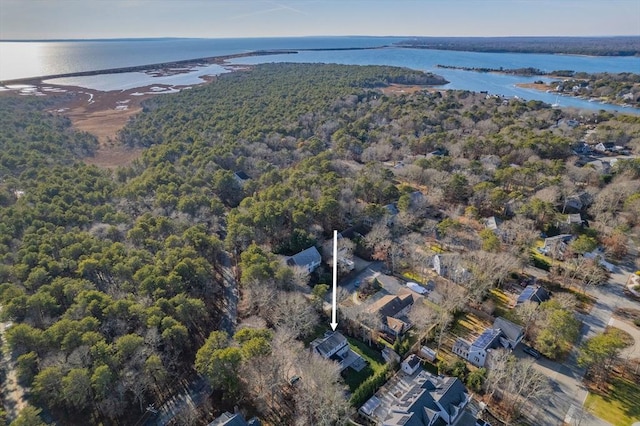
452,393
305,257
512,331
392,209
534,293
491,223
574,218
415,403
228,419
329,343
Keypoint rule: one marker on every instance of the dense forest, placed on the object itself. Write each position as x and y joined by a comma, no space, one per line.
596,46
116,282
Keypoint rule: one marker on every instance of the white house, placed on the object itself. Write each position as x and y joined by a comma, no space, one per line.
411,364
335,346
503,334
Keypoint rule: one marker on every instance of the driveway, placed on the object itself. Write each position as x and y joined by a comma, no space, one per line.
632,351
369,270
565,403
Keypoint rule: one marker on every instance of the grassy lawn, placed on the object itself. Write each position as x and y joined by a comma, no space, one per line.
503,305
374,360
468,326
412,276
539,259
619,406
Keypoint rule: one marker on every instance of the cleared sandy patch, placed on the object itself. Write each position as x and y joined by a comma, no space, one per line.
401,89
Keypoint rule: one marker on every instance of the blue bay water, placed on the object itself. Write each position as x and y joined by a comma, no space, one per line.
31,59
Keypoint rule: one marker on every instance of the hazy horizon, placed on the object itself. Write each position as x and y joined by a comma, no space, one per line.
40,20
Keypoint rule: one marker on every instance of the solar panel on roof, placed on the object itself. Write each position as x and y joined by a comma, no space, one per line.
526,293
485,338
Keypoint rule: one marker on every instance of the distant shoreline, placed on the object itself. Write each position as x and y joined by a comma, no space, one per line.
149,67
219,60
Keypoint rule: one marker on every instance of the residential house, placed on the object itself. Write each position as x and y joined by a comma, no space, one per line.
308,259
241,177
601,166
577,202
556,246
391,211
427,353
512,333
574,219
418,399
392,311
581,148
491,223
533,293
410,365
476,352
503,334
608,147
345,257
417,199
228,419
335,346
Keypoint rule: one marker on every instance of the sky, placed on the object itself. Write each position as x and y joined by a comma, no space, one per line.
77,19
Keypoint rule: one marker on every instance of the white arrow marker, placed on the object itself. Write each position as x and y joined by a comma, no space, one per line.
334,321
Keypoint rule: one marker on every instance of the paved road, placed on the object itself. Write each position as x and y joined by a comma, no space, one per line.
632,351
565,404
198,390
231,295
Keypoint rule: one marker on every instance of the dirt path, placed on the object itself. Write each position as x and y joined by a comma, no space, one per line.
13,395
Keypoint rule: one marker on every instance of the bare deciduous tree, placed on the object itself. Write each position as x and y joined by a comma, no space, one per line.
292,311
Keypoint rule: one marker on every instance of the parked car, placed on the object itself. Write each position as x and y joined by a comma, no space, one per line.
530,351
356,284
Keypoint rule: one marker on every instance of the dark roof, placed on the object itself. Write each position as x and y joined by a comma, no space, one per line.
512,331
534,293
487,339
412,360
305,257
451,393
242,175
331,342
413,401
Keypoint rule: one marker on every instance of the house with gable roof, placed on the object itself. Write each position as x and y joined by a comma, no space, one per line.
418,399
392,311
503,334
308,259
533,293
228,419
334,346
